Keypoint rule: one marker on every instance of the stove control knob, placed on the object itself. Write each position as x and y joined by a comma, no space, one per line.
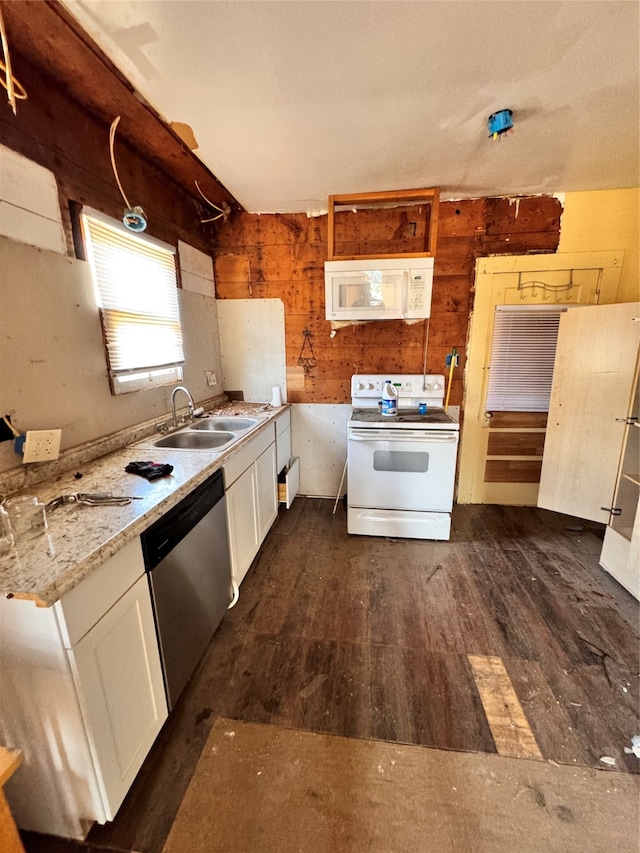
436,386
359,386
370,386
428,386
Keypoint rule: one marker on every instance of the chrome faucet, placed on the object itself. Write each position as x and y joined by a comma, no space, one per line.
192,407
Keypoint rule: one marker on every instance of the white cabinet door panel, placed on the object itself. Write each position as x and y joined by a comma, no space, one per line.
242,520
267,490
117,666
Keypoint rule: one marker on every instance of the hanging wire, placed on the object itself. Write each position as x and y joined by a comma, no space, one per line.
310,361
15,89
211,204
112,136
134,218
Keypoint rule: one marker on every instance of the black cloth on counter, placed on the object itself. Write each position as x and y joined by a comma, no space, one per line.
149,470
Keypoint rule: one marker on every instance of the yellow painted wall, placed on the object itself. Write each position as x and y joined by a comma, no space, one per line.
606,220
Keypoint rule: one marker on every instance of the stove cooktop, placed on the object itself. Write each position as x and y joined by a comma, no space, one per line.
406,418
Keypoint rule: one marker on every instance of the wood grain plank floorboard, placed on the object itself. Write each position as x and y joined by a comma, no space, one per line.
445,707
482,630
494,592
509,726
550,719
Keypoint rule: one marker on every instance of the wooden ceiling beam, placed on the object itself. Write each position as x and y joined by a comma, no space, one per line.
46,35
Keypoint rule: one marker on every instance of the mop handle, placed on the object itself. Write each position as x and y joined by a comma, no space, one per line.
452,364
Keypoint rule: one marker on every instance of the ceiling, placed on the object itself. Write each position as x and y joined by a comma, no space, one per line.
291,102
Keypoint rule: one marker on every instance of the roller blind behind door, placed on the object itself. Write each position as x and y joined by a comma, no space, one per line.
522,357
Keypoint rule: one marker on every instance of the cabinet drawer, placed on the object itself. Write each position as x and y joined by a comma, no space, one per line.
247,455
289,483
284,422
87,602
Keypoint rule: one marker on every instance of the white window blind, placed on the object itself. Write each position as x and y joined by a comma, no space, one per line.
137,294
523,352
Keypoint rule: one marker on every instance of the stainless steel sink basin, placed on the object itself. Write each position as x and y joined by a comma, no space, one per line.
196,440
214,424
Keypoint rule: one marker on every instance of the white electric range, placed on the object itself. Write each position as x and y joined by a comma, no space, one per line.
401,468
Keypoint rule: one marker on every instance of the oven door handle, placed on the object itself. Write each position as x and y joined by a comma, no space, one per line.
397,436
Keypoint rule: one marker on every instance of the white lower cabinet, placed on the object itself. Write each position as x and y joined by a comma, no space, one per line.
252,500
242,519
81,694
119,680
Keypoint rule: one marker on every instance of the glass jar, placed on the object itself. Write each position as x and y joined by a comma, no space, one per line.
6,534
27,516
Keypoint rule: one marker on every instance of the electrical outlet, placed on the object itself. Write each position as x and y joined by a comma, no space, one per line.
211,378
42,445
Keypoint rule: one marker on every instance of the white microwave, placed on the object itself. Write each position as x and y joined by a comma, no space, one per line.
386,289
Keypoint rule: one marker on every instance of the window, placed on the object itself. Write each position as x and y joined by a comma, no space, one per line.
523,352
136,291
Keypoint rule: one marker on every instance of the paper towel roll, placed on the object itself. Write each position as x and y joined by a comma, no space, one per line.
276,398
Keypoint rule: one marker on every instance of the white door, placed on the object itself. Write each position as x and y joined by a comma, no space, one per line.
590,397
119,677
501,452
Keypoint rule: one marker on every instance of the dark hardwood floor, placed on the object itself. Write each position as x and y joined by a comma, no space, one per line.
368,638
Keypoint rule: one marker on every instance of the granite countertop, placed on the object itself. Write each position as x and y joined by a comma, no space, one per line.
79,538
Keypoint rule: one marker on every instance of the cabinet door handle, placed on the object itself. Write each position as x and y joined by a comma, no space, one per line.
630,420
614,510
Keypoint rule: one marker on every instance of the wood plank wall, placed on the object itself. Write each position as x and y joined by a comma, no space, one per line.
278,255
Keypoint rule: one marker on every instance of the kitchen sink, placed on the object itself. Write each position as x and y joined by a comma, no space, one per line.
208,433
214,424
196,440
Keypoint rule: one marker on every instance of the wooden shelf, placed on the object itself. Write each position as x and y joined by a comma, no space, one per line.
421,196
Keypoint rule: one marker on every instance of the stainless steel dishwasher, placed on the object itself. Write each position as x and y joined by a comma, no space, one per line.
186,554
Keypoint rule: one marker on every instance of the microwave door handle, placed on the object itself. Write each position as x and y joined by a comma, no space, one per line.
405,292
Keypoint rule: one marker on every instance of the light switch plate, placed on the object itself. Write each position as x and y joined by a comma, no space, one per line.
41,445
211,378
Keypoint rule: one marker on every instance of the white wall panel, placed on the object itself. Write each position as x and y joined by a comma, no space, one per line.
194,261
253,347
319,438
29,206
197,284
196,270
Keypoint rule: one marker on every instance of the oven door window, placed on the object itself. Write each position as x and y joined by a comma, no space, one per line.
406,461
